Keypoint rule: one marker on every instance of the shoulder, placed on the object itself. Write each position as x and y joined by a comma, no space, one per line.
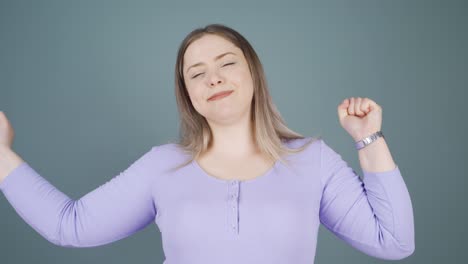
169,154
327,150
304,150
310,143
169,151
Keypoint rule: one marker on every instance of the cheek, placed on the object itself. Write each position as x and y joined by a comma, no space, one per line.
193,91
245,80
238,77
196,97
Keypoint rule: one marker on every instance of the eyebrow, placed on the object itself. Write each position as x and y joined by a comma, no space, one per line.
216,58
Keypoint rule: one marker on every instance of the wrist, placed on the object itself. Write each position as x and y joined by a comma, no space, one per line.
9,160
369,139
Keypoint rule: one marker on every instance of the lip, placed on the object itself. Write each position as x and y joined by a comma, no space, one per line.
214,96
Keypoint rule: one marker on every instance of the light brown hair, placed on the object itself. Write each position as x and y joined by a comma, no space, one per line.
269,128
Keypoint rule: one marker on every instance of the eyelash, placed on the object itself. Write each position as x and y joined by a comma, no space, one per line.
195,76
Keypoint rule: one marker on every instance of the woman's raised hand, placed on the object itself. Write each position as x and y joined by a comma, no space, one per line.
9,160
6,131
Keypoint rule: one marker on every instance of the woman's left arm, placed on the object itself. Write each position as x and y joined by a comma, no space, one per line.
374,215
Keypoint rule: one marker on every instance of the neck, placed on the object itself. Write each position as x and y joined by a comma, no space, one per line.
235,140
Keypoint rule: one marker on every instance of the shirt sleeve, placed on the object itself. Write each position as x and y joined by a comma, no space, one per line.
114,210
373,215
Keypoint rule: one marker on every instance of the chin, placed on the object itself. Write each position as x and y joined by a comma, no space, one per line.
227,115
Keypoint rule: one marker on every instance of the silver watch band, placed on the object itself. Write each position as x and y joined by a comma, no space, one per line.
367,140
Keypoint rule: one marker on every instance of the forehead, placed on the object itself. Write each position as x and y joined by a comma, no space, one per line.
206,48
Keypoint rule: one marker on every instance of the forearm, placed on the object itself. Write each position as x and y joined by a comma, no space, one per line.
376,157
9,160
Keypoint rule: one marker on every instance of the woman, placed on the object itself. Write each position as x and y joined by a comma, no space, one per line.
239,186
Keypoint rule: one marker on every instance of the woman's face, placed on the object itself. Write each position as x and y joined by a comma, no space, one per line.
212,64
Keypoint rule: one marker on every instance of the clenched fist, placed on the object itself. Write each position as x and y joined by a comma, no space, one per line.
360,117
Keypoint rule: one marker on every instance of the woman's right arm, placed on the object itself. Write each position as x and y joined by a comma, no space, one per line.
115,210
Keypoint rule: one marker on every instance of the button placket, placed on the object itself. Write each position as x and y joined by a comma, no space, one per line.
233,205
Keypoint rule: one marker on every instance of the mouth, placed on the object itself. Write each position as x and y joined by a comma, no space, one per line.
220,95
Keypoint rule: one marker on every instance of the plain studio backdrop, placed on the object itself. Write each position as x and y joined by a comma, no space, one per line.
89,87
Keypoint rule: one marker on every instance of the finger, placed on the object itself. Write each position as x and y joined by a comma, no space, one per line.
344,104
351,106
357,107
365,105
343,108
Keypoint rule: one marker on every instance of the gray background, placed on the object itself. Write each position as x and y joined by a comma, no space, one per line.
88,87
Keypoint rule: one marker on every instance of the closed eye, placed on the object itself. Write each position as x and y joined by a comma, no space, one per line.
195,76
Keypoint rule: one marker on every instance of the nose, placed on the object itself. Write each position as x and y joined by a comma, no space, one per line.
212,83
215,79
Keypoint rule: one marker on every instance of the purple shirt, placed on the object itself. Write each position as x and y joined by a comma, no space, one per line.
273,218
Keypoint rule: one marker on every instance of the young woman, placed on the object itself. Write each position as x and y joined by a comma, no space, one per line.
239,186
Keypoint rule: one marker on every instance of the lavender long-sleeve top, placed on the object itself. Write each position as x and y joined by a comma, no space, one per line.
273,218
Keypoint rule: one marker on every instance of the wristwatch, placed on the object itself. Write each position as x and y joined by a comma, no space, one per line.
367,140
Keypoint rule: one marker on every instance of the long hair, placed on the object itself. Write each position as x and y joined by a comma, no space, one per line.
269,128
